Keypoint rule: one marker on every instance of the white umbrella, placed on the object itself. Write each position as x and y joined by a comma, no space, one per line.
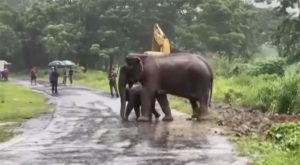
56,63
5,62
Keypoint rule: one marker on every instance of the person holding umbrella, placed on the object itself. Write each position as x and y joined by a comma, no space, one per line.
71,75
64,76
54,79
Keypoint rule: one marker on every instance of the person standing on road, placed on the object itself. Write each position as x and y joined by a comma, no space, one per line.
33,75
64,76
5,73
112,75
71,75
54,79
49,74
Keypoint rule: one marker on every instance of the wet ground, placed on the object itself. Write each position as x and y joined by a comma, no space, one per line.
86,129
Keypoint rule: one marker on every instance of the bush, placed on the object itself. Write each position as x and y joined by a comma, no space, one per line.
287,135
272,66
280,147
289,95
222,65
261,67
263,84
265,92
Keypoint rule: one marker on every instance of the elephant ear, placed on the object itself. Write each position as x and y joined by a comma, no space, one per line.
135,62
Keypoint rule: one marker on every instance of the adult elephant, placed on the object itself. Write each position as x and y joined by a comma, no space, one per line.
185,75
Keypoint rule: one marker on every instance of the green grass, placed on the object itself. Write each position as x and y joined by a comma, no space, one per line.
18,104
265,152
93,79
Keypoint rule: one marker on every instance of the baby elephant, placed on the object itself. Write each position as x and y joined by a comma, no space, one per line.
133,98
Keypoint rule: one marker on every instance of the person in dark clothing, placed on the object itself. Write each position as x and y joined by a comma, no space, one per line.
4,74
64,76
54,79
112,75
71,75
33,75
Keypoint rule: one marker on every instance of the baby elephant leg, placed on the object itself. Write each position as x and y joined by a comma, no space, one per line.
137,111
129,108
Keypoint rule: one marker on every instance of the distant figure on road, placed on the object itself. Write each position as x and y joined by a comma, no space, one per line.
112,75
49,74
71,75
54,79
65,76
33,75
4,74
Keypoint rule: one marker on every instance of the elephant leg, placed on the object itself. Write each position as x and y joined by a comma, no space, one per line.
137,111
153,110
146,99
203,106
128,109
195,109
155,113
164,103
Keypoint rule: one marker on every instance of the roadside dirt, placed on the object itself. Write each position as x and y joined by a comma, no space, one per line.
246,121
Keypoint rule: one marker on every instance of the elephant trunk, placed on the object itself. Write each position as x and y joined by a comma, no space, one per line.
122,90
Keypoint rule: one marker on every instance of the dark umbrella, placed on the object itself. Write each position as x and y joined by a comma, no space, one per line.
56,63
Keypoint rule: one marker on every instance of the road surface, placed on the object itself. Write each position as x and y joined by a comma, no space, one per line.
86,129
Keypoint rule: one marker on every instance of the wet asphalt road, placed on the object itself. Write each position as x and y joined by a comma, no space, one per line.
86,129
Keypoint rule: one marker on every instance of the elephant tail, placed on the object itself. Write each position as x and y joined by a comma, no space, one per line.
211,90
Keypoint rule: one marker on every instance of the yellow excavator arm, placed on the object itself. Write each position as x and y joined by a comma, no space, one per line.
160,42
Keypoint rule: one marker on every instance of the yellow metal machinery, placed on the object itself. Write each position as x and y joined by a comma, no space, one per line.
160,43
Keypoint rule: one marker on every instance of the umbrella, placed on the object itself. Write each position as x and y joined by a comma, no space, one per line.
5,62
68,63
56,63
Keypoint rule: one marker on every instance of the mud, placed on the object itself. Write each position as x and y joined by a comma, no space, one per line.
85,128
242,121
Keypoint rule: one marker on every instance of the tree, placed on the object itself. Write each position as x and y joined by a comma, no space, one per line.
61,40
224,26
287,35
48,29
9,43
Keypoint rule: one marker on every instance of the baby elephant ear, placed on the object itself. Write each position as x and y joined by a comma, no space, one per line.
132,60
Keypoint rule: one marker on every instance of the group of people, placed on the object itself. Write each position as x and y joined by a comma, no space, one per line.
66,75
53,77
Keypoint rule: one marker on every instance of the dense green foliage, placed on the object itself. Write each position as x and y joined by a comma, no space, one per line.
269,85
96,33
